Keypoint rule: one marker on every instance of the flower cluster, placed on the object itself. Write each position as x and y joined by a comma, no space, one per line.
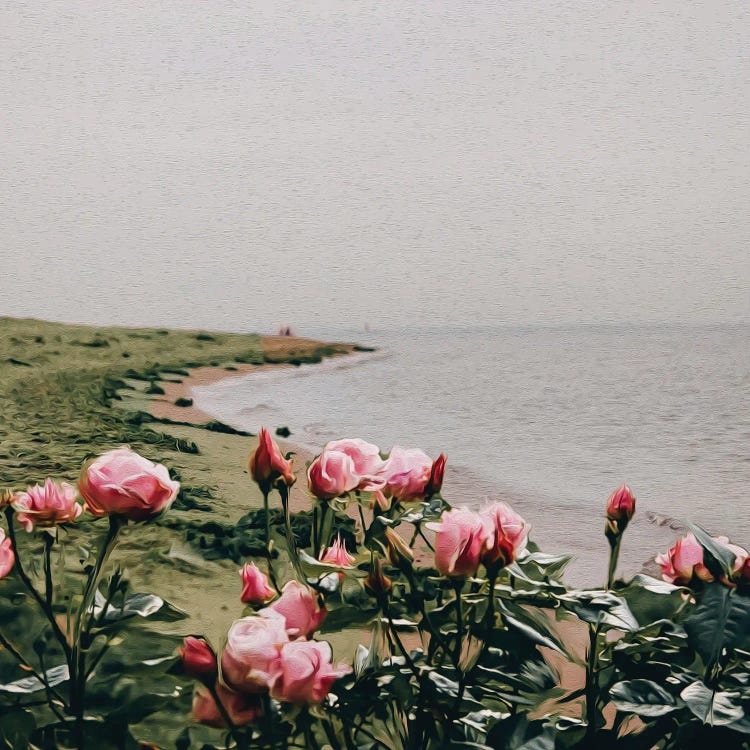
684,563
267,653
406,474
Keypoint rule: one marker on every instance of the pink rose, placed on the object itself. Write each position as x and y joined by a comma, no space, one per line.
242,708
198,658
120,482
267,463
253,647
7,557
462,536
621,506
407,473
255,588
508,535
338,555
304,673
298,605
683,561
46,506
343,466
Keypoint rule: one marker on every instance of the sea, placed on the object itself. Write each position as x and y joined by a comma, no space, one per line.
550,419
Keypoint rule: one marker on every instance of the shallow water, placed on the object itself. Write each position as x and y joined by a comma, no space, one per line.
552,419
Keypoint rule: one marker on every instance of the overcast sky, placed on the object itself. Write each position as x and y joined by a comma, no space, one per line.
240,165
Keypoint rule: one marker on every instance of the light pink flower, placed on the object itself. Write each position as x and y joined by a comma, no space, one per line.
7,556
462,537
508,534
343,466
46,505
243,708
198,658
685,560
255,588
304,673
253,647
338,555
267,463
407,473
120,482
299,608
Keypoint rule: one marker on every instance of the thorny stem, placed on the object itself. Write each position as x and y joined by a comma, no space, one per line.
269,550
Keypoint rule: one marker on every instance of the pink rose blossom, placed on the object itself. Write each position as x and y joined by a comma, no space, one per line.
343,466
267,463
7,556
253,647
255,588
685,560
407,473
299,608
462,537
338,555
508,534
304,673
121,482
242,708
46,505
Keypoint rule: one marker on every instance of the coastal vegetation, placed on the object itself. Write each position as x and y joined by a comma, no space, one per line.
449,627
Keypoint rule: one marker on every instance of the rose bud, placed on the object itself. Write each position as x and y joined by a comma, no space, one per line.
378,583
338,555
620,509
268,465
435,482
253,647
198,658
242,708
462,537
120,482
298,605
343,466
304,673
255,588
399,553
508,534
46,505
7,556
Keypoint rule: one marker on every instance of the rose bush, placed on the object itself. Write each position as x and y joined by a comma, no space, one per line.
457,609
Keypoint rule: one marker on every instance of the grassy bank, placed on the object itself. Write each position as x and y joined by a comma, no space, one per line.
71,391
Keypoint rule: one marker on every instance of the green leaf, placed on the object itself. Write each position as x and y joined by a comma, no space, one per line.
599,607
710,706
54,676
720,623
720,559
642,697
137,605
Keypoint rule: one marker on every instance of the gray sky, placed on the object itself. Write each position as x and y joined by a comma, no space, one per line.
240,165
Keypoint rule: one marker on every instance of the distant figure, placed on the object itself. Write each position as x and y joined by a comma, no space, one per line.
285,331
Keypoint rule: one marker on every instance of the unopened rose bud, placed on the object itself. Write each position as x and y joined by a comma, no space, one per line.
255,588
378,583
620,509
398,551
268,465
198,658
435,482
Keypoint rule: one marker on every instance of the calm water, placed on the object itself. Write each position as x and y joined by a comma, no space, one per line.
552,419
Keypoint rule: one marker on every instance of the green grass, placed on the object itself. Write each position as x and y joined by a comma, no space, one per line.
58,383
